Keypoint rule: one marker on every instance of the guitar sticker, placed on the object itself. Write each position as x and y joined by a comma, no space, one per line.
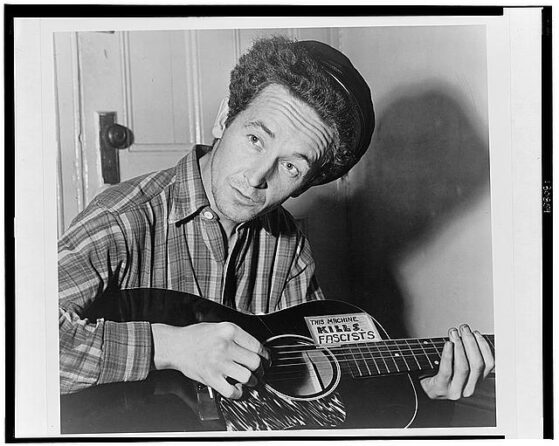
341,329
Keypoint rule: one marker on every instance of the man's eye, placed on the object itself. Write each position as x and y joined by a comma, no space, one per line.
291,169
254,140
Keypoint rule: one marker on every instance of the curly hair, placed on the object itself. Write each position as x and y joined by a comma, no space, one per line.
278,60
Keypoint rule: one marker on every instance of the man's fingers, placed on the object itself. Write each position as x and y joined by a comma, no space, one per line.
244,357
233,391
464,361
233,332
249,342
485,350
475,360
460,368
436,387
445,368
240,374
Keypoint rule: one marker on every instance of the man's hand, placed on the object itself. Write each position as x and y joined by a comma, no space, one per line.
465,361
210,353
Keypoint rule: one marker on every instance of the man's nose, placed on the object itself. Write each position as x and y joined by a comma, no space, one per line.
258,175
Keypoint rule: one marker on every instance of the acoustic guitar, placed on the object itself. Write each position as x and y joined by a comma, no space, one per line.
332,366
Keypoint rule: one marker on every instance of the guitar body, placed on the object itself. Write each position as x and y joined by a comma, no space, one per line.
305,387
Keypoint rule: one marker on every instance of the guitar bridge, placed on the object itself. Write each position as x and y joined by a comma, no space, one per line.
207,404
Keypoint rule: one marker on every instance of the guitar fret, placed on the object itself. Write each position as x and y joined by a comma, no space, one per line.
350,362
387,350
356,362
373,358
437,348
401,356
413,354
425,353
386,368
438,354
364,360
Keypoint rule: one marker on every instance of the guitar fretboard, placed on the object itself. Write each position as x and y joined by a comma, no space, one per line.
393,356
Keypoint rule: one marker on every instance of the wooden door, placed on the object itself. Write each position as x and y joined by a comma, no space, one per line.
166,86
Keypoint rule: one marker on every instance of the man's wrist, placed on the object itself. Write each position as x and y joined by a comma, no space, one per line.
160,335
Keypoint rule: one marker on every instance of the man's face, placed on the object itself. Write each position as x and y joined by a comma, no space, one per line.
266,154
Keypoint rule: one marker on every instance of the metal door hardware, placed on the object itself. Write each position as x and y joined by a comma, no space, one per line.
112,137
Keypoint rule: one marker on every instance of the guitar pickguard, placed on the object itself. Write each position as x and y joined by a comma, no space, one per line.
262,409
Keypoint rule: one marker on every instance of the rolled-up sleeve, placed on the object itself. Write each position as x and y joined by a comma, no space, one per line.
92,255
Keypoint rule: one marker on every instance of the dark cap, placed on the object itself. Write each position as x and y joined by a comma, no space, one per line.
352,84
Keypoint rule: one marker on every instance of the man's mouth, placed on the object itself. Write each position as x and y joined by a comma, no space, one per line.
246,198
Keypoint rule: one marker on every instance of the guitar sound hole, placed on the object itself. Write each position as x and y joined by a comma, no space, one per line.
299,369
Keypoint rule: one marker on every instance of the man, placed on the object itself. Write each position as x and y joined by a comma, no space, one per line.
299,115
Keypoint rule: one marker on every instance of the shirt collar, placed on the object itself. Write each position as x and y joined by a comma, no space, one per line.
189,195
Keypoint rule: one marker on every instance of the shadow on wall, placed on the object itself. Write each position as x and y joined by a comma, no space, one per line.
429,158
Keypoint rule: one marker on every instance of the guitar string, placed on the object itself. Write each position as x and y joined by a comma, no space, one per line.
385,348
436,338
295,359
295,370
379,346
370,354
353,348
286,358
385,343
291,358
489,337
287,375
346,361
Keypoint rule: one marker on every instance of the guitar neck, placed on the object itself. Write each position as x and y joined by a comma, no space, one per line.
394,356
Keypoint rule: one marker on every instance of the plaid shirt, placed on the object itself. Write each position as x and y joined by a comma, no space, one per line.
159,231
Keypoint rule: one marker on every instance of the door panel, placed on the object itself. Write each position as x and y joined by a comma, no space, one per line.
158,103
100,90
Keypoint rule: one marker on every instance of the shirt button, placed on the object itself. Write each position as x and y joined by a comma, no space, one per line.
208,215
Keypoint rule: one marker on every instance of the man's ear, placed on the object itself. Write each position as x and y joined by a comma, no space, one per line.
219,124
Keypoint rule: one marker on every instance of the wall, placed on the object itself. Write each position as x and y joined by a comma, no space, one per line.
419,200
